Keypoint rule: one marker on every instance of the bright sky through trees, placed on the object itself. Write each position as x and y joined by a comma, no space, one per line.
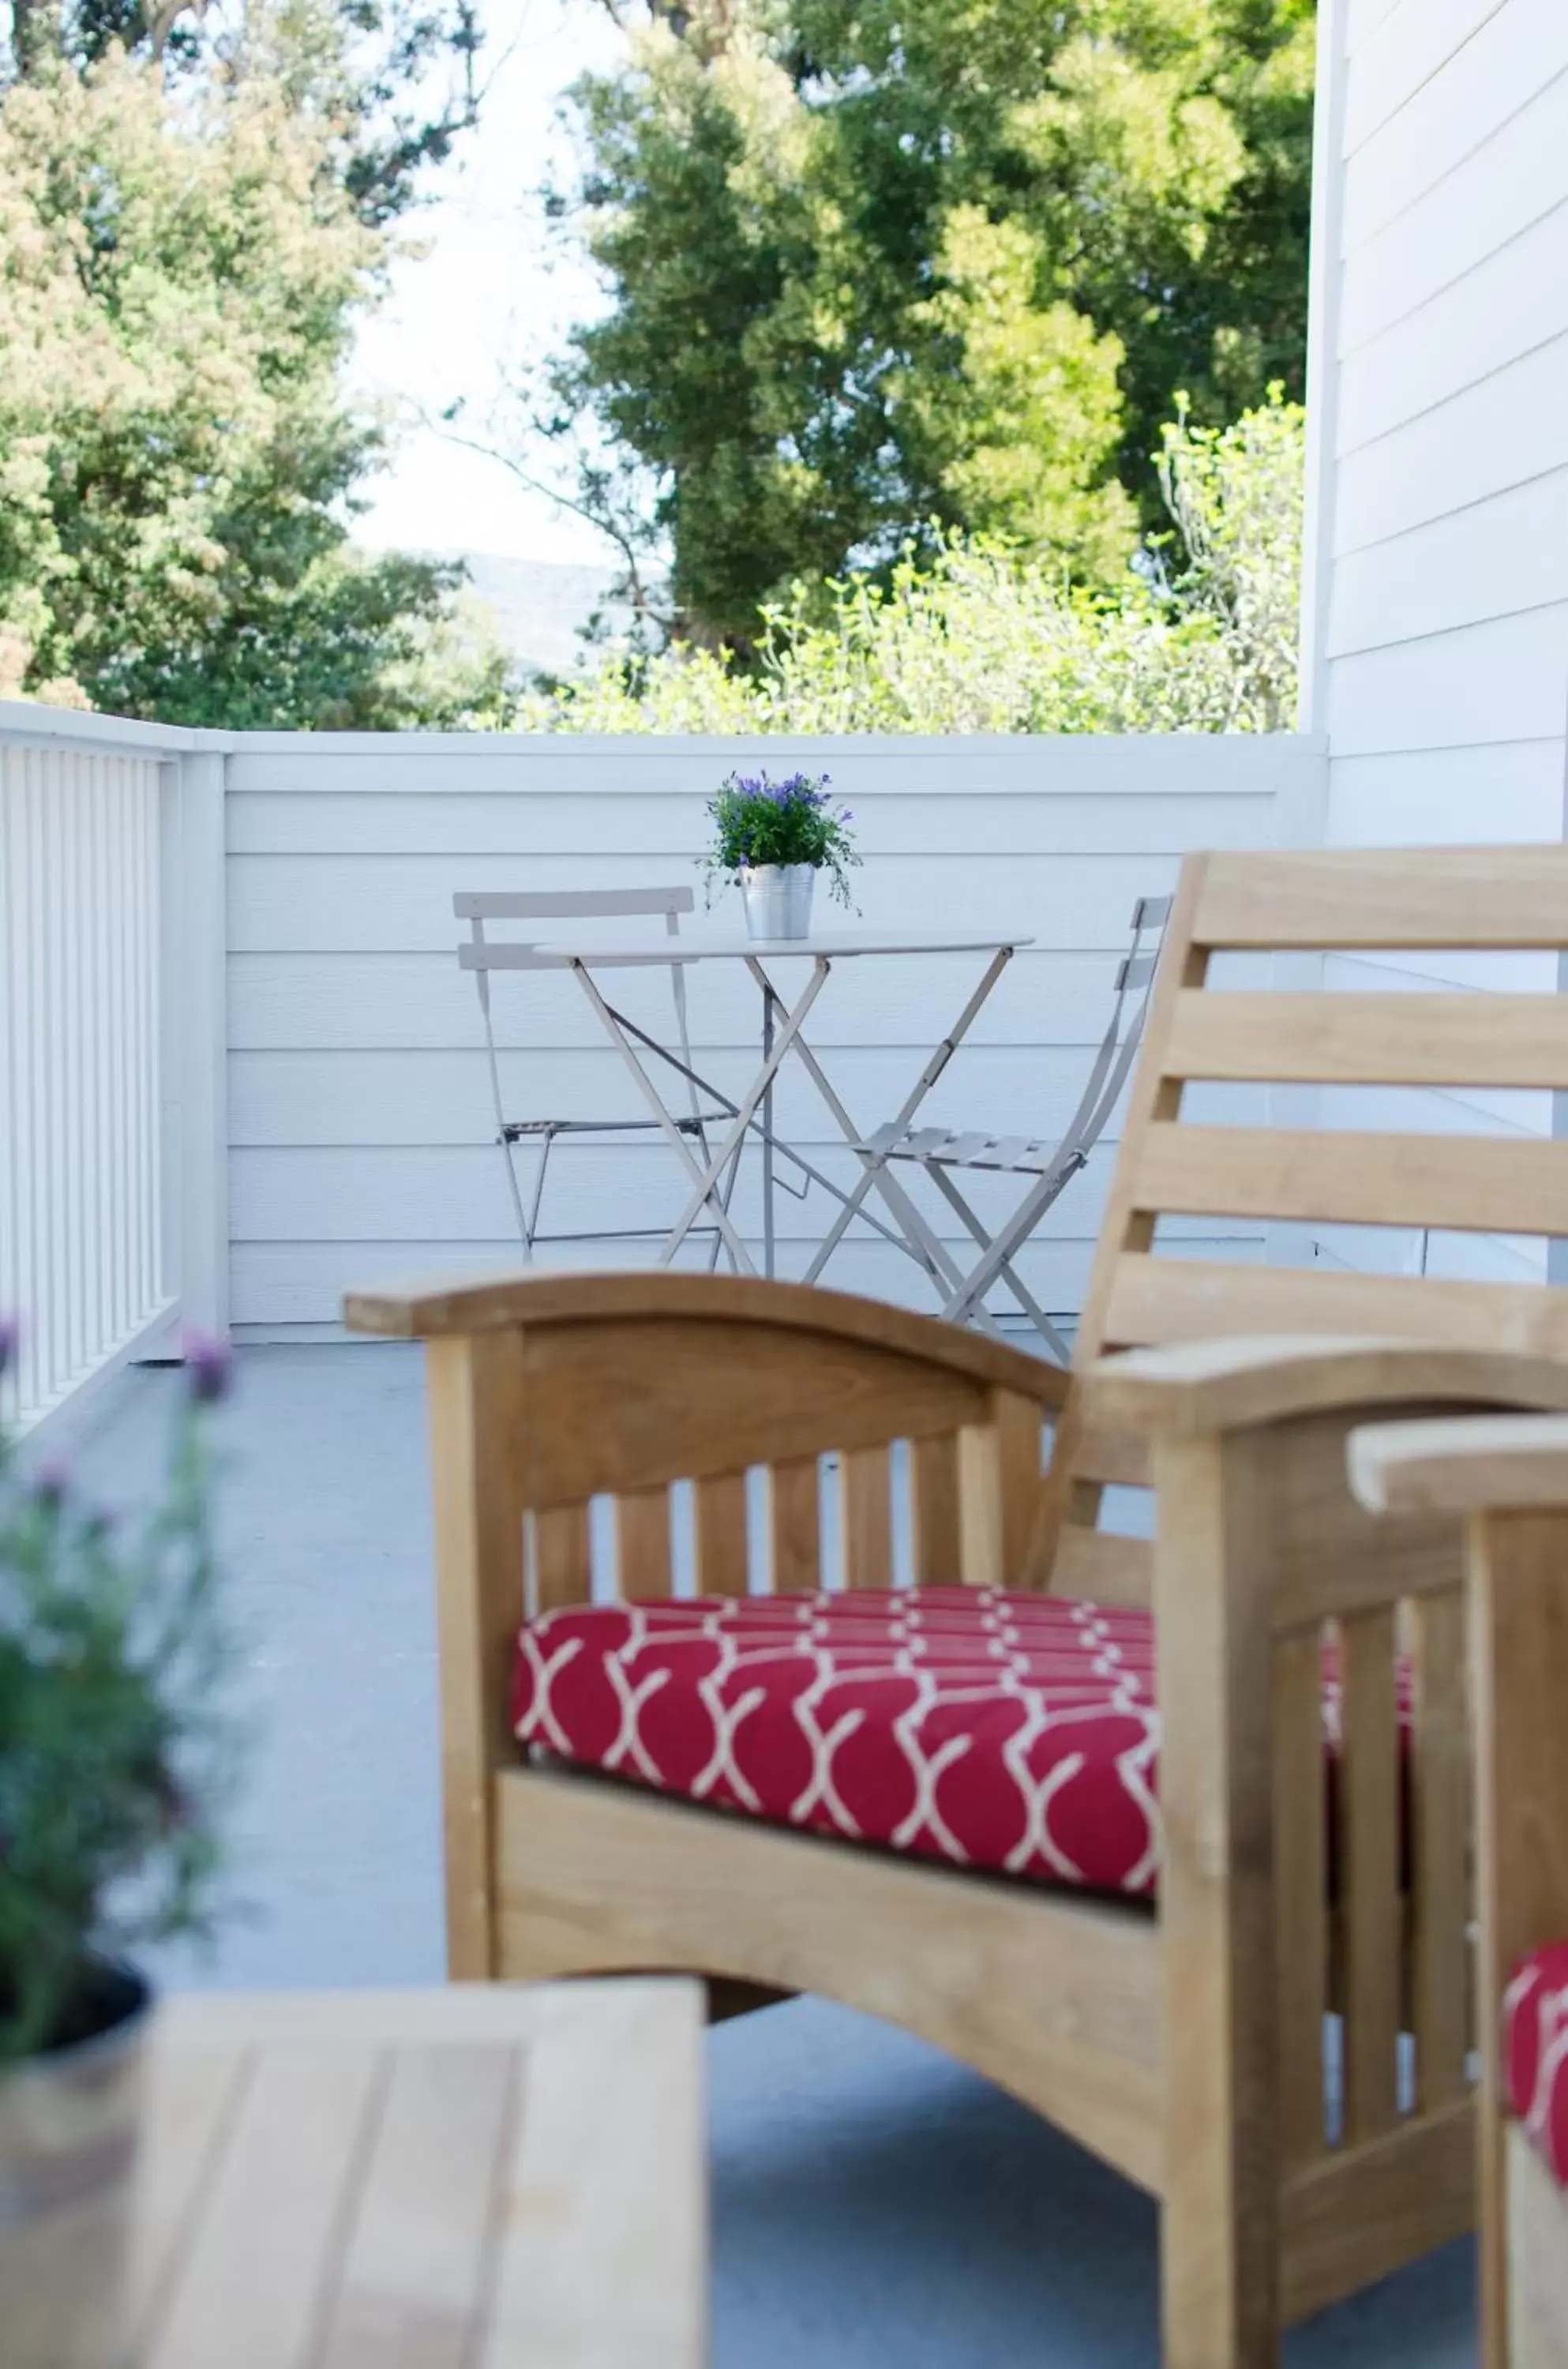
492,289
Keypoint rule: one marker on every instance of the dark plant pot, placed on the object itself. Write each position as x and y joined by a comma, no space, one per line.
69,2123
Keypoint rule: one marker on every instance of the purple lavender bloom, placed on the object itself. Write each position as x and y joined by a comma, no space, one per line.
49,1484
208,1365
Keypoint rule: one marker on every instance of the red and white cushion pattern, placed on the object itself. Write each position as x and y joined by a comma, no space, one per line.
1534,2052
1007,1732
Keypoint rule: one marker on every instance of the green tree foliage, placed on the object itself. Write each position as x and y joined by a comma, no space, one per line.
974,636
185,238
910,260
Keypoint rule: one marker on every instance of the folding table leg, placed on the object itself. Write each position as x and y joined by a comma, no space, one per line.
782,1151
704,1180
873,1176
788,1035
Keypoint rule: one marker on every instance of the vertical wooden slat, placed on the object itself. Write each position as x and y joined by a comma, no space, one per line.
721,1558
642,1530
1221,2227
1369,1887
866,1513
934,1494
1301,1875
980,1507
1152,1095
795,1520
1440,1831
475,1393
563,1565
1015,1421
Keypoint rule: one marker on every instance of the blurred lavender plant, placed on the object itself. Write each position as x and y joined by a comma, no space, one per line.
117,1751
794,821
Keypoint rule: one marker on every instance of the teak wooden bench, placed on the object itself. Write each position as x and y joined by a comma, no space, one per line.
1508,1477
1184,2043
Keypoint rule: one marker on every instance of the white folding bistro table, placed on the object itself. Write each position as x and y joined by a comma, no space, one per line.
660,1072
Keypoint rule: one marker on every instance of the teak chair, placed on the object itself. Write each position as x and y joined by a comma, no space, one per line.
1182,2043
1508,1478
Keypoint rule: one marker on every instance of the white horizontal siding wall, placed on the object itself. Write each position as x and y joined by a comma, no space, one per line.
1437,627
360,1122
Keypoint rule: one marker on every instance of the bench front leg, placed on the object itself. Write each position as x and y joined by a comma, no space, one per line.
1506,1477
1282,1894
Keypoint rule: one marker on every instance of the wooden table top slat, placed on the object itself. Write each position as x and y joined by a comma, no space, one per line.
608,2105
418,2258
489,2177
251,2283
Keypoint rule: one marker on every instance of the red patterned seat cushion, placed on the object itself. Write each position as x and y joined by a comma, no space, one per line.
995,1730
1009,1732
1534,2052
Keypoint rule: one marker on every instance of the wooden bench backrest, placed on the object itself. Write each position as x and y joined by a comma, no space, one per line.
1410,900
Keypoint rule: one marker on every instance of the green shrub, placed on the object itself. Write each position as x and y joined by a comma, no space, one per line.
1201,636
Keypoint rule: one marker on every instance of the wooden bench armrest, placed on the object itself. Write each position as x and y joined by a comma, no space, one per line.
536,1301
1240,1385
1462,1464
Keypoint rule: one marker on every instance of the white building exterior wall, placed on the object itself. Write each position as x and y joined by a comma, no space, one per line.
1438,600
1435,616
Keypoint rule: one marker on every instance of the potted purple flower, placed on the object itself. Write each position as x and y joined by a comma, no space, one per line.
772,839
116,1752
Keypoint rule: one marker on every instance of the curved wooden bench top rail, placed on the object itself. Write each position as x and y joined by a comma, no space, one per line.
424,1311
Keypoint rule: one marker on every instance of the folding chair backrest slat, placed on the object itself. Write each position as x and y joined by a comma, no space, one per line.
569,904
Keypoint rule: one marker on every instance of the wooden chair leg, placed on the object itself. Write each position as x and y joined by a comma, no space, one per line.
1219,2230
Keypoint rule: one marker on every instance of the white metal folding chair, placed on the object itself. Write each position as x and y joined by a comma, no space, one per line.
940,1151
477,908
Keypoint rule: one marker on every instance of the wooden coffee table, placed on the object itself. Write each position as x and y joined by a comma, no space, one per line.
486,2176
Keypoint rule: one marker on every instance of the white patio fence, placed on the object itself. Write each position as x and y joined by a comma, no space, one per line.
110,1046
239,1070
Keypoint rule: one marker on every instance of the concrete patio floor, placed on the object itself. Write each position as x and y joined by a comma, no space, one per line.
874,2201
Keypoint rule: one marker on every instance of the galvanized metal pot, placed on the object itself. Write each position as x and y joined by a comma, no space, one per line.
778,900
69,2123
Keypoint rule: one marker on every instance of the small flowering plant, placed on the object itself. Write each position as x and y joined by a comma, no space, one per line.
794,821
116,1749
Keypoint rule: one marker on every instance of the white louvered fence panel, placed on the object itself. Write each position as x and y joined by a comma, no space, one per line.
82,1236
